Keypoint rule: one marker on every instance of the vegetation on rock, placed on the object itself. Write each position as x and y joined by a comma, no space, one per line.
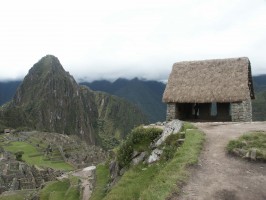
251,146
157,180
116,118
138,140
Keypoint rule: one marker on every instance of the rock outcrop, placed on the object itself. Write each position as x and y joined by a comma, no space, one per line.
172,127
155,150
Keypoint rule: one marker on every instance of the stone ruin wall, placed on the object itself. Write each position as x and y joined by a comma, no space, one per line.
171,111
15,175
241,111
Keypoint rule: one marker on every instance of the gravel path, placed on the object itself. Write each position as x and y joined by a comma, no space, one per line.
219,176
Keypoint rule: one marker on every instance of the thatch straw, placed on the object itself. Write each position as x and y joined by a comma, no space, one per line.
219,80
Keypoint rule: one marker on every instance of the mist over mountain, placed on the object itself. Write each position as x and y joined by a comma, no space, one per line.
50,99
147,95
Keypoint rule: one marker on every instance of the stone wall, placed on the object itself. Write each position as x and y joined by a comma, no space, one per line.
241,111
171,112
15,175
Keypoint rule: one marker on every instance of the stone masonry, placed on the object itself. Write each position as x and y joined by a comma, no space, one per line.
241,111
15,175
171,111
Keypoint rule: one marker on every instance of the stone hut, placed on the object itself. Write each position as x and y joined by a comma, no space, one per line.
7,131
210,90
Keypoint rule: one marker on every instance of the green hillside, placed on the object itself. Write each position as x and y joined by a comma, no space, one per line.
147,95
151,181
259,103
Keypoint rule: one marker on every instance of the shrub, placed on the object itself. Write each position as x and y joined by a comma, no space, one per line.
139,139
18,155
124,154
170,146
140,134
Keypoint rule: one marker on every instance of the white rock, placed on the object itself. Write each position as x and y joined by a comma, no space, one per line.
253,154
155,155
171,127
139,158
89,168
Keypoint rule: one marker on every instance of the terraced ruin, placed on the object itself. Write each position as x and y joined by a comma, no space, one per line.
43,157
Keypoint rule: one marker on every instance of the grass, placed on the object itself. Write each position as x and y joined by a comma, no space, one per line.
176,171
133,182
247,142
102,178
33,157
160,180
66,189
18,195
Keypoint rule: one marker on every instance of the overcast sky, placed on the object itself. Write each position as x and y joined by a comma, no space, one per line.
107,39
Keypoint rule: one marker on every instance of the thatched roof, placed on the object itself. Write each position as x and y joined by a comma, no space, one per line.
219,80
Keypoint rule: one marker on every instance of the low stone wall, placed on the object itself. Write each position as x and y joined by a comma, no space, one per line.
241,111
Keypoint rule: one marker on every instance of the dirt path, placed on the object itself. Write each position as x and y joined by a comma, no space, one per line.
221,177
86,175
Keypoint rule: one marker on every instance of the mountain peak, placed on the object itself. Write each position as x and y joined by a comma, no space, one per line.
49,59
54,101
47,78
47,64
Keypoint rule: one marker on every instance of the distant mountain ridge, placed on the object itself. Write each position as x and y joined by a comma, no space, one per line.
259,83
259,104
147,95
7,90
50,99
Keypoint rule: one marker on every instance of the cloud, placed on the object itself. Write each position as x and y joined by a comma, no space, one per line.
110,39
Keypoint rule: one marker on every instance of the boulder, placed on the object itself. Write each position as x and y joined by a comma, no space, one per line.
139,158
155,156
135,154
180,141
171,127
122,171
113,169
253,154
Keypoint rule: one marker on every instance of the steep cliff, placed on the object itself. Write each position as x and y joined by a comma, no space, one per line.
116,118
